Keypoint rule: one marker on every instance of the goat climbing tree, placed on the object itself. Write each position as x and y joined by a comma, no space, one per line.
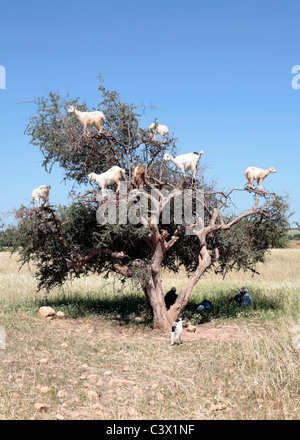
71,241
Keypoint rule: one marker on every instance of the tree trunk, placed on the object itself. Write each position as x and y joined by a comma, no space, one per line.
157,302
154,291
152,286
184,295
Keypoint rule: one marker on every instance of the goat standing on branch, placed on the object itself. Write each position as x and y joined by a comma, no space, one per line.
86,119
185,162
258,174
42,192
113,176
161,129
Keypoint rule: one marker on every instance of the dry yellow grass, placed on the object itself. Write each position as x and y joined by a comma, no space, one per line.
245,368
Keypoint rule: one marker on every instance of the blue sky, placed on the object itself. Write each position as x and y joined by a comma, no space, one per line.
219,73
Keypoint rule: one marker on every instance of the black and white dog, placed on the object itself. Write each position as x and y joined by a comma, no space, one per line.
176,331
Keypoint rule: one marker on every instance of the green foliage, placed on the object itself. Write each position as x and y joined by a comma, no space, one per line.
7,236
244,245
39,243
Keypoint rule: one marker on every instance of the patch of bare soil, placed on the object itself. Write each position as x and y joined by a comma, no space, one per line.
225,332
209,331
218,333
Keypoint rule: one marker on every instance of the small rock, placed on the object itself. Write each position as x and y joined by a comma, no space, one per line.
64,345
191,328
59,417
103,350
46,311
92,395
155,386
126,368
82,377
99,406
43,361
218,407
61,394
60,314
107,373
41,406
45,390
132,412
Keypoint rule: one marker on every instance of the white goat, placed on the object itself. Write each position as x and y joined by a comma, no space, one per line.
176,331
158,129
89,118
258,174
42,192
111,176
185,161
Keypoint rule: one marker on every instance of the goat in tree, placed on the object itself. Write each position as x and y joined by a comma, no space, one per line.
42,192
185,162
95,118
258,174
112,176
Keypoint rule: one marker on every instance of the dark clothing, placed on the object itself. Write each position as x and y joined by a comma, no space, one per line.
206,304
243,300
170,298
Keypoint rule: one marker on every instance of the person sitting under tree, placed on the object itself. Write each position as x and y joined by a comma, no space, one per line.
170,297
243,298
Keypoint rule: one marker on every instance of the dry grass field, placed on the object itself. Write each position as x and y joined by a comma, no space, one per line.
103,361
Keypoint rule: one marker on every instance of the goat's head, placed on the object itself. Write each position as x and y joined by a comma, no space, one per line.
167,156
272,170
71,109
91,177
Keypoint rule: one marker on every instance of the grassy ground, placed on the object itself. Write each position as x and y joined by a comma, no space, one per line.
103,361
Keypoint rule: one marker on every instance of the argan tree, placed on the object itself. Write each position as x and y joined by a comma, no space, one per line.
70,241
